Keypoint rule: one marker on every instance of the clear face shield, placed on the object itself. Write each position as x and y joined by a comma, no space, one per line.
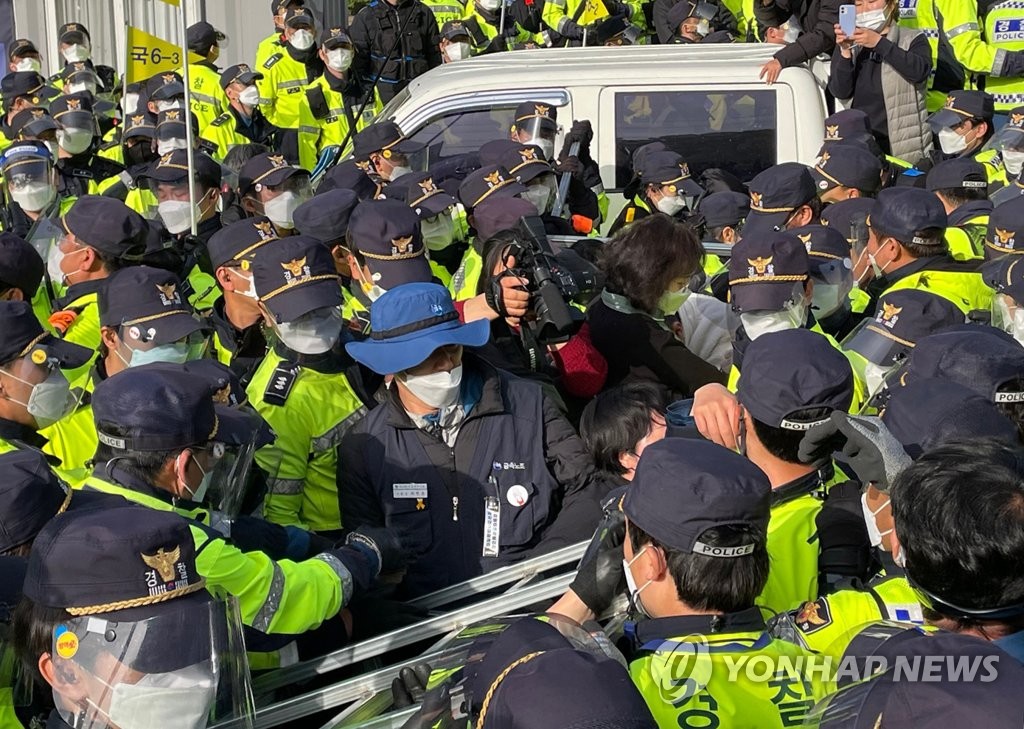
236,484
1009,142
877,355
439,231
30,183
541,191
538,131
138,346
1008,315
792,315
39,385
280,201
833,282
84,80
188,664
77,132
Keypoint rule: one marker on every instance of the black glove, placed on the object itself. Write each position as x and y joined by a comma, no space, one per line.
871,450
572,165
410,685
252,534
436,712
385,542
581,132
498,44
600,578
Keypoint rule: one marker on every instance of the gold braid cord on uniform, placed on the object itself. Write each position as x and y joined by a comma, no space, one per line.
497,682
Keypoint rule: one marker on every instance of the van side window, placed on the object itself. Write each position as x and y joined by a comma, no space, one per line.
463,132
734,131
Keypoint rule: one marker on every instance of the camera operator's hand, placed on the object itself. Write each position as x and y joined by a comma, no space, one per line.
507,297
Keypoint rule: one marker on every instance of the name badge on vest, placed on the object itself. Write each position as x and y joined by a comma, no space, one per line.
409,490
908,8
492,526
1008,29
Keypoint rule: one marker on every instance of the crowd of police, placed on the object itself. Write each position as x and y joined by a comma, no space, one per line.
243,421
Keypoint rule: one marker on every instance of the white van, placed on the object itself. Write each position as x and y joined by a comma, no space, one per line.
704,101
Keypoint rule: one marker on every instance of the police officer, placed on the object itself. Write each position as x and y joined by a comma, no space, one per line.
519,487
386,148
21,90
1006,277
206,95
24,56
489,33
21,269
243,121
435,208
962,188
831,272
158,427
334,101
276,40
301,388
168,179
79,169
1001,232
268,185
782,197
880,344
100,233
667,187
844,171
36,124
1010,142
906,249
963,127
539,176
570,20
137,153
32,358
164,92
724,214
394,42
29,184
286,73
236,318
456,42
849,218
132,607
696,556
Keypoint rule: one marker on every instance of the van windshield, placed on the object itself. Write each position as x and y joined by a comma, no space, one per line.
391,108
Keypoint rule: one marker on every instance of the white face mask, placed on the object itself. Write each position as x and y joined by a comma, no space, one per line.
49,400
79,88
874,377
199,494
281,210
34,196
489,5
872,19
703,27
438,389
76,53
951,142
631,586
542,195
301,40
340,59
398,171
186,695
130,103
756,323
1009,318
547,146
1013,161
438,232
790,31
168,104
177,215
457,51
312,333
670,301
869,521
53,260
250,96
670,204
166,146
29,64
251,293
74,141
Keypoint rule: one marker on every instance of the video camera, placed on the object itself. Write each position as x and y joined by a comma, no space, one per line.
556,280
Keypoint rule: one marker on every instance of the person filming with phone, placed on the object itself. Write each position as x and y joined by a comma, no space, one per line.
882,68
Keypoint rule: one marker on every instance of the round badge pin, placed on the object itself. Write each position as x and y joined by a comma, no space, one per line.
518,495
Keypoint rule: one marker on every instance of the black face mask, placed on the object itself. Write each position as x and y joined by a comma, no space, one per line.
139,154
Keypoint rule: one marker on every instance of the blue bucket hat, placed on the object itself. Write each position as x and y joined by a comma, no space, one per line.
408,323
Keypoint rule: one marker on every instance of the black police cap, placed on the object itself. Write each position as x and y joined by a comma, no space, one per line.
33,122
1005,224
295,276
148,305
333,38
386,233
827,249
903,318
905,212
73,33
492,152
21,47
21,335
789,372
725,208
764,269
384,137
959,172
849,218
170,124
326,215
962,105
418,191
454,29
495,215
546,113
173,168
238,242
985,359
489,182
929,412
776,193
1004,274
155,86
139,125
21,266
682,488
30,495
107,225
525,162
299,17
609,28
276,6
22,83
164,407
125,561
269,170
848,165
201,36
85,69
666,168
240,73
350,175
73,111
846,123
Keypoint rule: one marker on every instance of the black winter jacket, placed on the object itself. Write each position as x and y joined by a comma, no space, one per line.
374,34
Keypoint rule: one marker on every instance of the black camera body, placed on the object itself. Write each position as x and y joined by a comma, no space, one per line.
556,280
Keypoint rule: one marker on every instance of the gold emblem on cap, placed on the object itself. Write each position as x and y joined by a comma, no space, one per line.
38,356
167,290
761,264
364,165
295,266
890,314
335,32
528,154
223,395
806,240
71,27
1006,237
831,131
684,169
243,68
38,113
169,78
1016,120
163,562
138,119
541,110
427,186
494,178
265,229
74,104
165,160
278,160
172,115
755,198
401,245
950,100
825,157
